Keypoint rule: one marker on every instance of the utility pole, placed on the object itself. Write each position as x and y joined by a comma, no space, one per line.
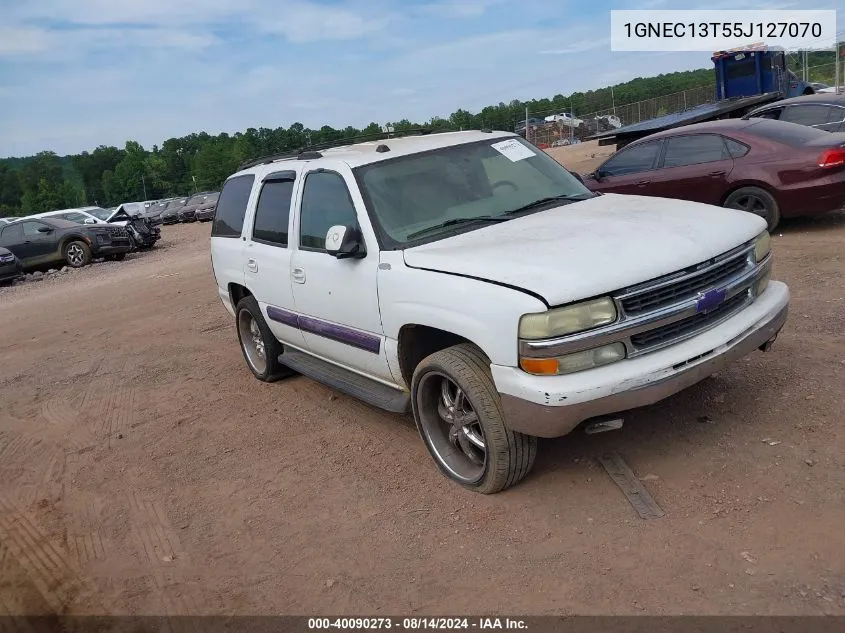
144,182
526,120
613,101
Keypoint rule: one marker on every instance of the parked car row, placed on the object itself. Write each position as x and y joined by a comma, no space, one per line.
36,242
185,209
782,160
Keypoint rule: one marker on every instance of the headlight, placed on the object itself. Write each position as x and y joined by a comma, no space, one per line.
762,246
568,320
570,363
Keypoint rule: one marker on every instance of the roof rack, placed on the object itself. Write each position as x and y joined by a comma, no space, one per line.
311,152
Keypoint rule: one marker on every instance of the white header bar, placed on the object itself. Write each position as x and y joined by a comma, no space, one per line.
708,30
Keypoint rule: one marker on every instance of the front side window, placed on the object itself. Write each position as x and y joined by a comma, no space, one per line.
272,213
102,214
632,160
428,195
231,208
694,149
30,229
325,203
772,113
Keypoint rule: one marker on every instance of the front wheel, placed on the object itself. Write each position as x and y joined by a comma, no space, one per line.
459,416
757,201
77,254
260,347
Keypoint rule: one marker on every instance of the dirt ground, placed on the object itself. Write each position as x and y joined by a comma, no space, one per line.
143,470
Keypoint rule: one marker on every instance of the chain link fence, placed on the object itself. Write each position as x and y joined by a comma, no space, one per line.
566,131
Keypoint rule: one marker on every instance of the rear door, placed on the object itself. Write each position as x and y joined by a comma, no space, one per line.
227,239
629,171
268,256
11,237
693,167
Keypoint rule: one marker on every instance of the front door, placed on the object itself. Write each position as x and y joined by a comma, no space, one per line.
267,257
39,241
337,299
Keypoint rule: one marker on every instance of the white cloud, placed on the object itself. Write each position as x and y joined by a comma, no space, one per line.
457,8
23,41
306,22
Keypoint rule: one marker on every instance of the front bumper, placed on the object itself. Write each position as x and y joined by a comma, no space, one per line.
10,272
552,406
98,250
205,214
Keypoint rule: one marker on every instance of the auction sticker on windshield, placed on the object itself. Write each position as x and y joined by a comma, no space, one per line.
514,150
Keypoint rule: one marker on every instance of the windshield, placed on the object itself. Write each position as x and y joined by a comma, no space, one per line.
79,218
100,214
413,195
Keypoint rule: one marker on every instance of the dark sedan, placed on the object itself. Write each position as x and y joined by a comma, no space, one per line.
205,211
771,168
43,241
170,215
10,266
189,211
822,111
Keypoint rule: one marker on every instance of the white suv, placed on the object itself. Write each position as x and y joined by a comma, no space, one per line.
471,279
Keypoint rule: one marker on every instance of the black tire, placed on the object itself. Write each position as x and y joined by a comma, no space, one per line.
77,254
757,201
117,257
272,370
508,455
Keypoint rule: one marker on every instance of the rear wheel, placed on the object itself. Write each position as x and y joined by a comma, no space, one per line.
260,347
77,254
459,416
757,201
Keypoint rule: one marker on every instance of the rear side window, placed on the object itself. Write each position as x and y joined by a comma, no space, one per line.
11,234
773,113
694,149
231,207
735,148
810,114
632,160
273,213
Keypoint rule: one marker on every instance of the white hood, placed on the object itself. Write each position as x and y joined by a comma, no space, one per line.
592,247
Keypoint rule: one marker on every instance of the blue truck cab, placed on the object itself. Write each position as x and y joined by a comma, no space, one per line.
755,72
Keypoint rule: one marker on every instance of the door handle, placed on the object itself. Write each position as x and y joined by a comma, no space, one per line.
299,275
252,265
641,183
716,173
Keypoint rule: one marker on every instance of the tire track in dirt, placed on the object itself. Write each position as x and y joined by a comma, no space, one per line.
162,553
86,537
35,472
157,540
55,580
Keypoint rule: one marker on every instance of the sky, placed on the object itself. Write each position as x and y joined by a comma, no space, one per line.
75,74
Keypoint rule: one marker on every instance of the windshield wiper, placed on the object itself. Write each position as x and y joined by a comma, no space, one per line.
544,201
455,222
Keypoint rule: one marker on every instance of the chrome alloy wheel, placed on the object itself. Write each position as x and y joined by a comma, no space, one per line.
252,341
451,427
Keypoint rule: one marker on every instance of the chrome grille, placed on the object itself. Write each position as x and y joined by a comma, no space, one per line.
661,294
669,333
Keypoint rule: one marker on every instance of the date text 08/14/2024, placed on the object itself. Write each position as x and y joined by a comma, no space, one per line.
416,623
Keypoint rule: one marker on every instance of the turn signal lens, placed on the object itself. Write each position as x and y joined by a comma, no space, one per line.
579,361
539,366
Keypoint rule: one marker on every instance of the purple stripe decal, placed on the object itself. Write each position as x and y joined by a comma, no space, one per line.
340,333
283,316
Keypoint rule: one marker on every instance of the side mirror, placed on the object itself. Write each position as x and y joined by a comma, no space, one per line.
345,242
90,221
577,177
599,175
45,229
